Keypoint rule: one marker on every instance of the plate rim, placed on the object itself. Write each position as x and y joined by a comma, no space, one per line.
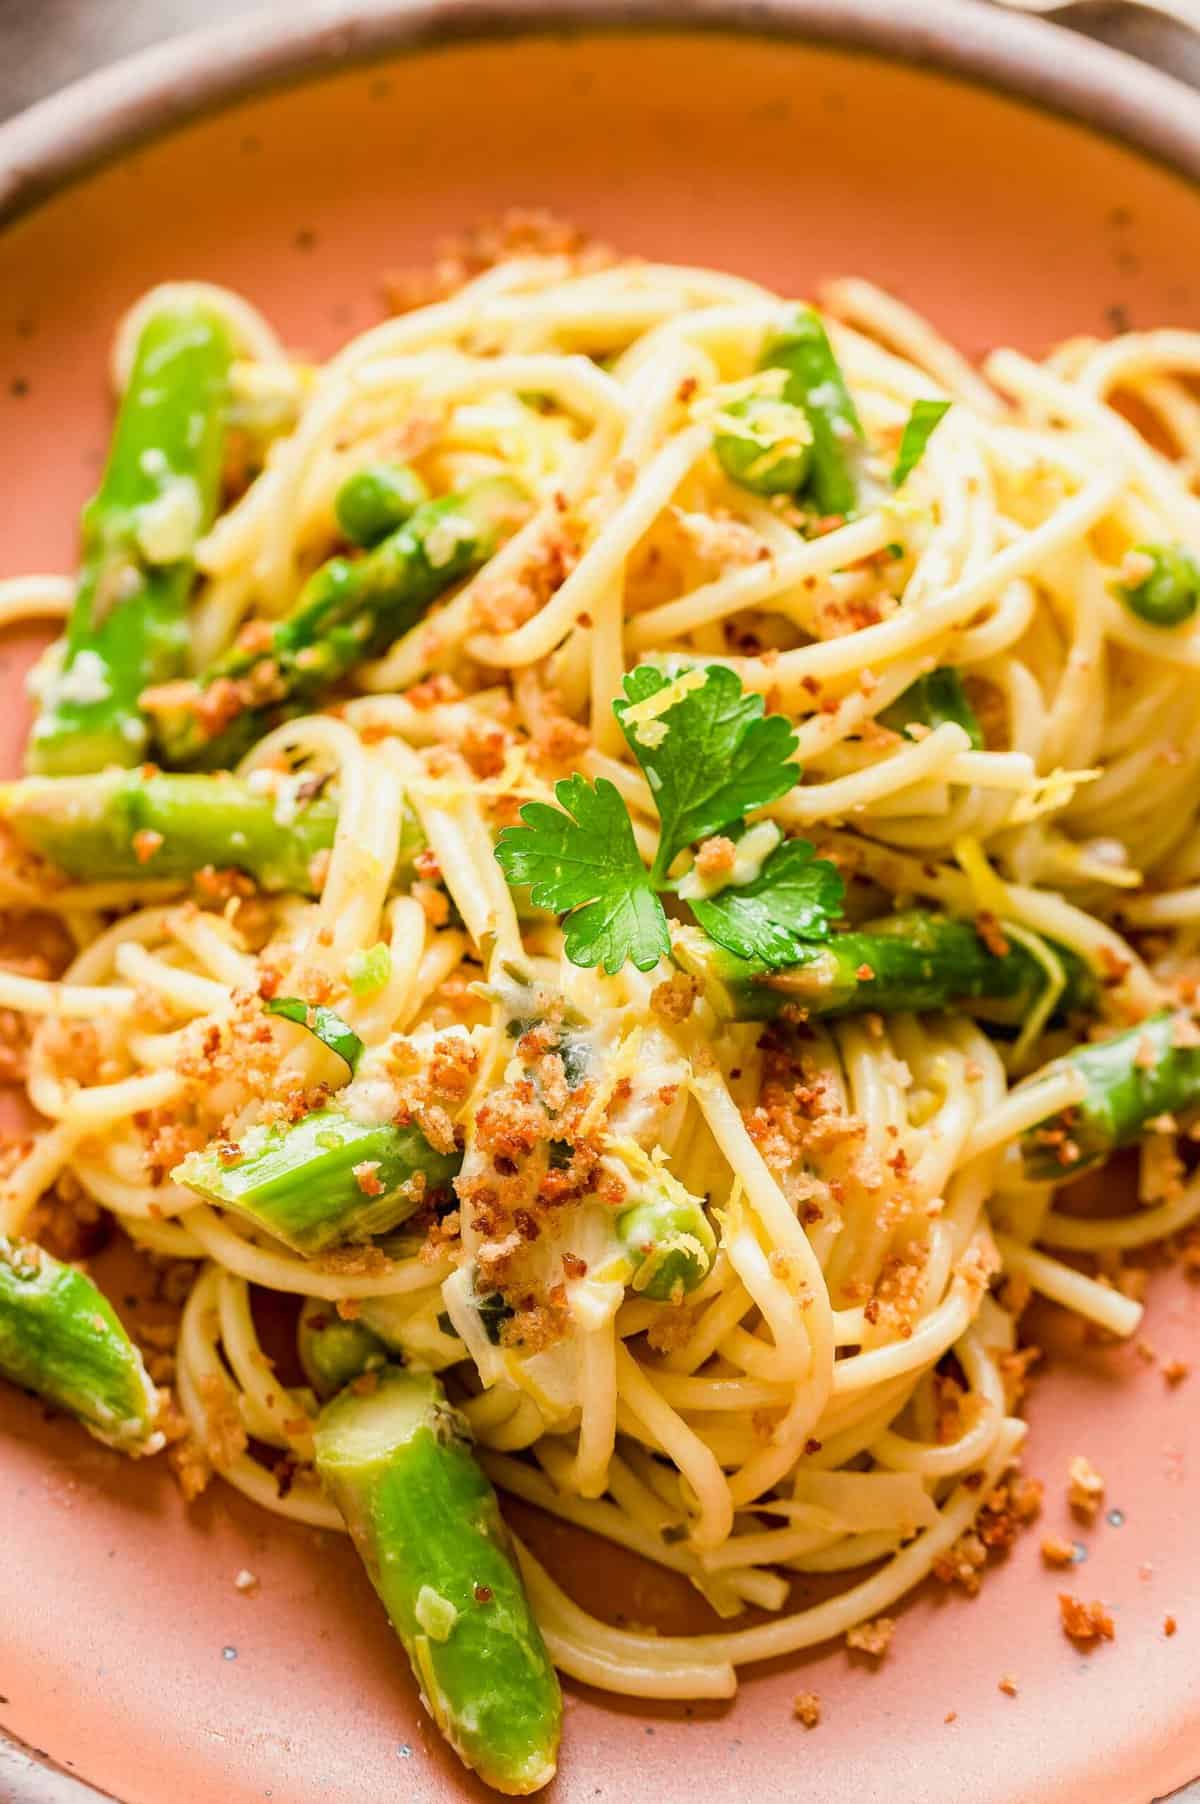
101,115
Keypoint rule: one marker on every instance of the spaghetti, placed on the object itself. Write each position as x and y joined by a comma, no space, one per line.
862,1176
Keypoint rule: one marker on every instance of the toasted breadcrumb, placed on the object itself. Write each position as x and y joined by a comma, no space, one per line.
1008,1685
247,1583
1169,1625
1085,1488
1084,1623
1058,1551
806,1708
951,1716
1175,1371
872,1638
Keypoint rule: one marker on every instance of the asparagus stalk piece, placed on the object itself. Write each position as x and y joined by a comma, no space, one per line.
60,1337
667,1238
911,960
323,1180
333,1351
127,628
130,826
816,384
349,609
425,1521
375,501
1139,1075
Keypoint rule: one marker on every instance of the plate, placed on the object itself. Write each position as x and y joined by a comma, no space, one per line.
126,1653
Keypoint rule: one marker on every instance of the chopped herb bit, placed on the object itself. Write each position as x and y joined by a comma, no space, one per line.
931,701
325,1024
368,971
493,1313
924,418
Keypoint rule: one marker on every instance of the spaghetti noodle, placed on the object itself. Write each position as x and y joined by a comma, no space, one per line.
861,1176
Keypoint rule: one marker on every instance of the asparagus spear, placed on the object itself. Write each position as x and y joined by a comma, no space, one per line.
333,1351
349,609
1132,1079
375,501
816,384
911,960
667,1238
322,1180
127,628
426,1523
60,1337
127,826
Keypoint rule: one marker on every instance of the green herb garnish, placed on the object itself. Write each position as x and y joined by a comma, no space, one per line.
325,1024
925,416
932,700
710,756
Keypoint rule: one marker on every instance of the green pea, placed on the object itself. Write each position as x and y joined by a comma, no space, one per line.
668,1240
375,501
1169,593
764,445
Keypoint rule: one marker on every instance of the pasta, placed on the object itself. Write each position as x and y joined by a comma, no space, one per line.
810,1374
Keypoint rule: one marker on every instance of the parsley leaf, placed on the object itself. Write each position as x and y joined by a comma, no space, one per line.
709,757
584,863
924,417
325,1023
793,901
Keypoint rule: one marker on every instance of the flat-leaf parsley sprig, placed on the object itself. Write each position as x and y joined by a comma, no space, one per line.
711,756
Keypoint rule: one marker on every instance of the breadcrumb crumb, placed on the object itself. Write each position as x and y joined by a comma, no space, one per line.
1084,1623
1085,1488
806,1708
247,1583
872,1638
1008,1685
1169,1625
1058,1551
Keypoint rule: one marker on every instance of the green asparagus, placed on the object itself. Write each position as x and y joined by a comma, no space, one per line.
932,700
667,1238
127,627
323,1180
60,1337
130,826
816,384
425,1521
764,445
911,960
1131,1080
349,609
1166,590
333,1351
375,501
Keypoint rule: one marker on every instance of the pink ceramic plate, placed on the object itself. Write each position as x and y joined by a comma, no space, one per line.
125,1651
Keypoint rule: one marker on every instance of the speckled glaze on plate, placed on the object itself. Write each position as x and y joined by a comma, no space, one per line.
125,1651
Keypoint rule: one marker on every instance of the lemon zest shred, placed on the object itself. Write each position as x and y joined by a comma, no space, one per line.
1048,794
645,718
990,891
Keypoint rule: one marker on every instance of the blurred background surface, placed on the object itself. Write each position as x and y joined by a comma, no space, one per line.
46,43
